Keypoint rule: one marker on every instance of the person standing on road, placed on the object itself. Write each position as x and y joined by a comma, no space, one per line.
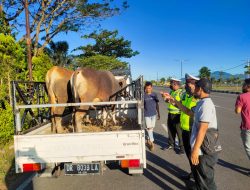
174,116
204,118
242,106
189,101
151,109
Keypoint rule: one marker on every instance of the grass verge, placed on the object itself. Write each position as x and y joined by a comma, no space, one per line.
228,88
7,167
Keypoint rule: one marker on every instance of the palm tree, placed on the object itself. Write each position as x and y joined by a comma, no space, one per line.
162,80
58,51
213,80
205,72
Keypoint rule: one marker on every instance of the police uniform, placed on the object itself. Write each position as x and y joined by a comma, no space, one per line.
174,113
190,102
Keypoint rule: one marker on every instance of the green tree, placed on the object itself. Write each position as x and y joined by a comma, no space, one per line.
163,80
109,44
101,62
41,64
231,79
6,124
238,80
12,61
12,67
58,52
213,80
4,25
205,72
154,82
168,79
48,18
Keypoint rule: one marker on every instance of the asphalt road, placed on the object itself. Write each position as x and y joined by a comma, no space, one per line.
165,166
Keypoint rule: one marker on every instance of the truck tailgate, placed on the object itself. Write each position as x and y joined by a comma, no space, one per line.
79,147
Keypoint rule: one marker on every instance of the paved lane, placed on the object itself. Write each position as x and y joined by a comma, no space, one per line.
165,166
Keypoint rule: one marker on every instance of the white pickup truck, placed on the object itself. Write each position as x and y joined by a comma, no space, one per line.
80,153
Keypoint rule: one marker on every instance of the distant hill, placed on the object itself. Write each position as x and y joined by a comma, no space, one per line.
225,75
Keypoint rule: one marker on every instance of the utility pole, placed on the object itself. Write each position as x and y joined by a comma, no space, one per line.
248,69
181,61
157,79
28,40
247,66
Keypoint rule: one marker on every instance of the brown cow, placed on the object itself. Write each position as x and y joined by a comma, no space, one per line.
59,91
89,85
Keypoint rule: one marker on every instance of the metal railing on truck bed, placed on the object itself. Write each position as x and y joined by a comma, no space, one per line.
31,98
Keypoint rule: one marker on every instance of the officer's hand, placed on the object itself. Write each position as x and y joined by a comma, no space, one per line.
166,95
171,100
159,117
162,93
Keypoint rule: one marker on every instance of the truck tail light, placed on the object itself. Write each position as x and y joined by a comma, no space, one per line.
134,163
31,167
130,163
124,163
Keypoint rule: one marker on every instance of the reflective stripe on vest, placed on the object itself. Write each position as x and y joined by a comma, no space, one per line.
188,102
176,95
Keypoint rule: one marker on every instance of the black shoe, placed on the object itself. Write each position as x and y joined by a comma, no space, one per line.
181,151
169,147
187,177
248,174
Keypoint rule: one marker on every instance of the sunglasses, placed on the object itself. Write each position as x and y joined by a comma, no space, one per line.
190,81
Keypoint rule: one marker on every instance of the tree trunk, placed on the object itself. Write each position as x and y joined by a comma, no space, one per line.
9,86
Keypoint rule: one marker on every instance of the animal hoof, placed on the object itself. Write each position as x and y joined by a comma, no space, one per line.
79,130
60,130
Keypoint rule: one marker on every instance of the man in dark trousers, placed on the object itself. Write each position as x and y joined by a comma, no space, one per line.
204,118
189,101
174,116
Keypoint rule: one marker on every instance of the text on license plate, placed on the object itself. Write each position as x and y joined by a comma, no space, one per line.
87,168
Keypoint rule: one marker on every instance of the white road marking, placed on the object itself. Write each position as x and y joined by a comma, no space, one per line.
217,106
224,95
231,110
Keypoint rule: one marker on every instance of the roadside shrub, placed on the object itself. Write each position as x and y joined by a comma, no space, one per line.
6,124
41,64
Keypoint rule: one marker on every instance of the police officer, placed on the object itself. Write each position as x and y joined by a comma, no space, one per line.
186,122
205,118
189,101
174,116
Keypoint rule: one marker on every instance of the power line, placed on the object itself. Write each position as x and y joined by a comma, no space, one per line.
228,68
233,67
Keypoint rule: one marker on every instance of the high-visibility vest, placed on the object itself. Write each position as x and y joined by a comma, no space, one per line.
177,96
189,102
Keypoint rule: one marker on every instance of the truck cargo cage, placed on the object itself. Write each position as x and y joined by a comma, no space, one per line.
122,71
29,93
31,98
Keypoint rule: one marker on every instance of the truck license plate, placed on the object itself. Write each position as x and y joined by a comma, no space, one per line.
81,169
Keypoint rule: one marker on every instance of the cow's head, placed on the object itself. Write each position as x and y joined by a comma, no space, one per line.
122,81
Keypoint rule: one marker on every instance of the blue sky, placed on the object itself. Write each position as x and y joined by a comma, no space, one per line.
213,33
